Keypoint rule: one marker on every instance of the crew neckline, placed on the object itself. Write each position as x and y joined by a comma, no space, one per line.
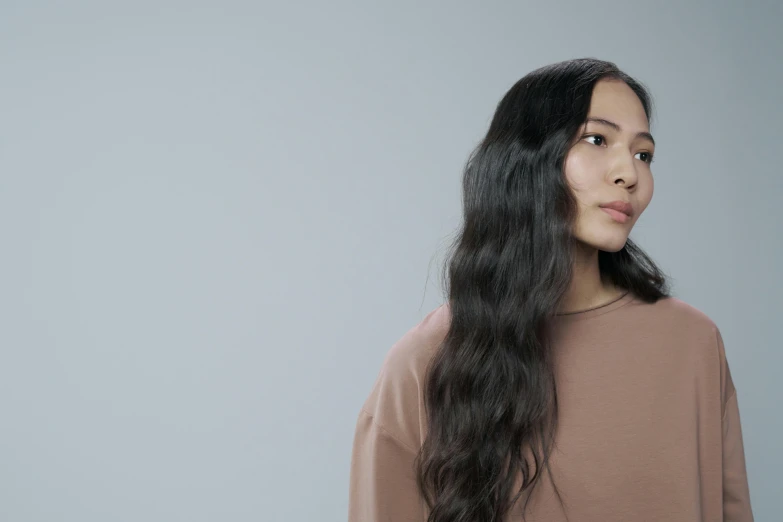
618,302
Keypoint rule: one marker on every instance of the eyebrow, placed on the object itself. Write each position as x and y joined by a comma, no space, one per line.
645,135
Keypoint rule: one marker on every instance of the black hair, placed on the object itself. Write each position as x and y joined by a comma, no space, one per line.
490,392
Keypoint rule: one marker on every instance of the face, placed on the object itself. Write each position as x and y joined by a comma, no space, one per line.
611,163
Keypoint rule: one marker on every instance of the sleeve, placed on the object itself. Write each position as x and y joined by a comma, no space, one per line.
736,494
382,477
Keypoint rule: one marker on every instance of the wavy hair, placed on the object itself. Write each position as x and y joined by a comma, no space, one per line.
490,391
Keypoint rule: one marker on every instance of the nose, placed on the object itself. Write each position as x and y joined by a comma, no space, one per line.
623,171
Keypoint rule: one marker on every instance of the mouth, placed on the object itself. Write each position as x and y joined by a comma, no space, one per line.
621,211
618,216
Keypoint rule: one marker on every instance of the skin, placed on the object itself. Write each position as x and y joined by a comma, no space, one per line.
605,165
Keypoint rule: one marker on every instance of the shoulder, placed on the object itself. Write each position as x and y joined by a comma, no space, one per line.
396,399
413,351
676,316
677,310
702,331
691,328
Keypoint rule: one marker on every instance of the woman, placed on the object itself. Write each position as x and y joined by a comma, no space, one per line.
561,380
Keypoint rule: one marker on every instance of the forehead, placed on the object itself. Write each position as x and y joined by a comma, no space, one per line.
614,100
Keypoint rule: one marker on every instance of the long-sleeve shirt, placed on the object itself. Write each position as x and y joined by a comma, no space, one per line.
649,423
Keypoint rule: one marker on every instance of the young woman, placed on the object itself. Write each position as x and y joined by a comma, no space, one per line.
560,380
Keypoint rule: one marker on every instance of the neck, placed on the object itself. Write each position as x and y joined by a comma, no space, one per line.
587,288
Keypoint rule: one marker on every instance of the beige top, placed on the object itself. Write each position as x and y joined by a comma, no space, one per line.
649,425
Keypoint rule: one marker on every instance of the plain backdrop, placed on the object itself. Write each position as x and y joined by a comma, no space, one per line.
217,217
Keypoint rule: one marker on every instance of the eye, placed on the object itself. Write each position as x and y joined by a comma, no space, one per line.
648,157
598,137
600,140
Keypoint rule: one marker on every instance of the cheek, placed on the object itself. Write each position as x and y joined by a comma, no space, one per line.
578,174
646,194
575,171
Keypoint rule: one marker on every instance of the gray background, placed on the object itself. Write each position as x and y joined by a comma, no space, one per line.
216,218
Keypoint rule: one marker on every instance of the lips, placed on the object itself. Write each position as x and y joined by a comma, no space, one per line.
620,206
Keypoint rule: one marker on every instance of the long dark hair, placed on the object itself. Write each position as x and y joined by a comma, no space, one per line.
490,390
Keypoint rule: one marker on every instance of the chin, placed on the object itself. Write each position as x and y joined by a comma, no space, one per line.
606,244
613,247
604,236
